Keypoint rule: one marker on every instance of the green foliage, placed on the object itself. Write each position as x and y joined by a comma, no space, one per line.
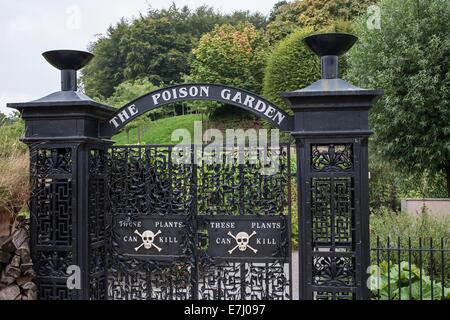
156,46
385,223
405,283
398,228
128,91
10,138
106,70
291,65
410,59
3,118
388,185
316,14
14,167
294,214
231,55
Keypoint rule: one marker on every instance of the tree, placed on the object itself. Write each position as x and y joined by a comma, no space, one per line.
156,46
126,92
277,7
106,71
316,14
232,55
409,57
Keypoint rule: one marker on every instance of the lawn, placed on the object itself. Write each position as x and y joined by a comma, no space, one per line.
159,131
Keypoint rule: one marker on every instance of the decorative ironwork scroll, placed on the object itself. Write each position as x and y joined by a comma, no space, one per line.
159,209
331,157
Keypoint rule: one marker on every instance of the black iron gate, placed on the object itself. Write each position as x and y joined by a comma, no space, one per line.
201,231
187,230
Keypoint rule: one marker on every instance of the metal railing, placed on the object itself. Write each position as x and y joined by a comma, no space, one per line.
410,269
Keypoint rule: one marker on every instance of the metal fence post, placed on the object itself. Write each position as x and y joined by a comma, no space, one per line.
331,132
68,176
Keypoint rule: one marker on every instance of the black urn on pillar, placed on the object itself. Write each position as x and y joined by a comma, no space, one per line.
69,62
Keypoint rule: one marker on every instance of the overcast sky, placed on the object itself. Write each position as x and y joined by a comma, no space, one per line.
30,27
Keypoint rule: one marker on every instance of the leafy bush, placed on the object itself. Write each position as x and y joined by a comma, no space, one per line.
404,283
231,55
294,214
128,91
390,231
289,16
408,58
388,185
10,138
292,65
385,223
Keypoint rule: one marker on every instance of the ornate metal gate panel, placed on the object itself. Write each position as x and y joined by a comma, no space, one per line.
215,230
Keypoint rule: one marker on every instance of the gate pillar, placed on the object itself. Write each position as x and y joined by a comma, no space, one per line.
68,176
331,132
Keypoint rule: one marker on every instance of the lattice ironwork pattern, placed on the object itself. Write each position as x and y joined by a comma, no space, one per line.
320,295
52,290
97,206
245,281
53,206
243,183
52,209
332,210
332,189
148,181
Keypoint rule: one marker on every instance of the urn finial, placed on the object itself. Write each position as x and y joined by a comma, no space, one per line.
68,61
329,46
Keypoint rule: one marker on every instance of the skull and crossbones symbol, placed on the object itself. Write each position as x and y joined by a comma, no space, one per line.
242,241
148,239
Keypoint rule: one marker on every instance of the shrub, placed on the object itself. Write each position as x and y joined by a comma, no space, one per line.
405,283
408,57
385,223
390,231
14,186
388,185
231,55
292,65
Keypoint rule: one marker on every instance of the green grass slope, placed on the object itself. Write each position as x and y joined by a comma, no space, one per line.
159,131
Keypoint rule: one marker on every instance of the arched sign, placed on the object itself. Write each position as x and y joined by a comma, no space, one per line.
198,91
